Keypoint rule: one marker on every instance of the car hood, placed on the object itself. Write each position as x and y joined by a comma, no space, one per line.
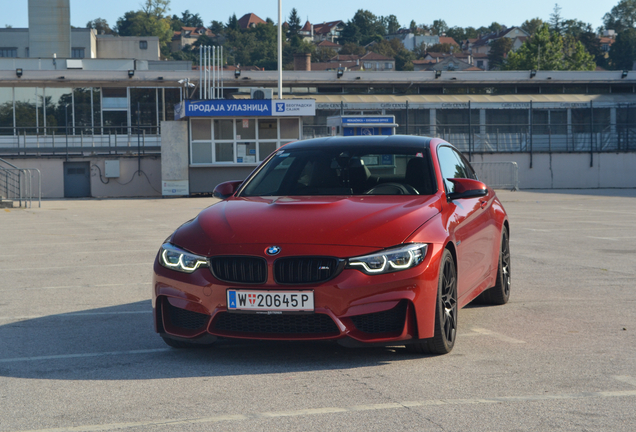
373,221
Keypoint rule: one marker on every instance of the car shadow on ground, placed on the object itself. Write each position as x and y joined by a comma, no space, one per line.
621,193
119,343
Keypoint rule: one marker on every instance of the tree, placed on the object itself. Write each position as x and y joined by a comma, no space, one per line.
441,48
623,52
100,25
232,23
294,24
556,19
324,54
576,28
217,27
549,51
531,26
592,45
141,23
499,49
621,17
364,28
352,48
391,24
189,20
420,51
439,26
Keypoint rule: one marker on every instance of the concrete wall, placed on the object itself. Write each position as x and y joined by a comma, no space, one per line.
205,179
129,183
127,47
49,28
570,170
85,38
15,38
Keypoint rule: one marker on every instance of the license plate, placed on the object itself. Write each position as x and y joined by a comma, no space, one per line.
270,301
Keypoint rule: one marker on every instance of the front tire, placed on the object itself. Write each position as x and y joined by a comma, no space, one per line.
445,312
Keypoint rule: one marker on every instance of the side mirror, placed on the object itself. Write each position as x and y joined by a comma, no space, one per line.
467,188
227,189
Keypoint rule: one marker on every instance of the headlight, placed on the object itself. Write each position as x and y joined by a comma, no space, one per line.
390,260
177,259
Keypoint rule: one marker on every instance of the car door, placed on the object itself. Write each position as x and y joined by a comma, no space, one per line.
470,224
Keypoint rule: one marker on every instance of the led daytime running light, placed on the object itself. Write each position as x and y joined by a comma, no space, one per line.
187,262
390,258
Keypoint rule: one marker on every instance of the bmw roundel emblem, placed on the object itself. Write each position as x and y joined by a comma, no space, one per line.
272,250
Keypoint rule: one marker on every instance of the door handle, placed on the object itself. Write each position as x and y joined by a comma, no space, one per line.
483,203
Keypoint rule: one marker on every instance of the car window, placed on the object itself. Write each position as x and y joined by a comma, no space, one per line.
453,165
344,170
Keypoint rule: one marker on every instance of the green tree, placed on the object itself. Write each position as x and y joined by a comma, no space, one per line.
592,44
549,51
141,24
352,48
189,20
391,24
324,54
556,19
499,49
623,52
294,24
531,26
100,25
441,48
364,28
232,23
575,27
217,27
621,17
439,26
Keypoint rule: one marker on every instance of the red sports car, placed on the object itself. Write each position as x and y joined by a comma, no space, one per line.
362,240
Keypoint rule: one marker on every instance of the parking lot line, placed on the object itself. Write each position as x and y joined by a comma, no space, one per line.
336,410
499,336
72,314
84,355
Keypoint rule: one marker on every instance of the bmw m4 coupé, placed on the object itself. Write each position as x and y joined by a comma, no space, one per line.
361,240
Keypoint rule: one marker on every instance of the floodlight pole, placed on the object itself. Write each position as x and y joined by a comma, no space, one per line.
280,49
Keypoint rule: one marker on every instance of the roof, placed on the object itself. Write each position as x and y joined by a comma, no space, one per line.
328,44
249,20
326,27
306,27
447,40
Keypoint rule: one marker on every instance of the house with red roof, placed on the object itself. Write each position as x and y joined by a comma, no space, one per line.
188,36
249,20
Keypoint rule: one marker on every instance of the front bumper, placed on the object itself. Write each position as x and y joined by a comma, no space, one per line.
373,309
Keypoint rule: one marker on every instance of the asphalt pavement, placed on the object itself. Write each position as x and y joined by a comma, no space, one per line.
78,351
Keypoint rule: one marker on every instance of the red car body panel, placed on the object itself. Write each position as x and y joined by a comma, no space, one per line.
338,226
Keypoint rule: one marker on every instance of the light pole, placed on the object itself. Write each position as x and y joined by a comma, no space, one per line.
280,49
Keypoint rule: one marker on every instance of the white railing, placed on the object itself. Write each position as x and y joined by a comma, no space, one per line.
498,175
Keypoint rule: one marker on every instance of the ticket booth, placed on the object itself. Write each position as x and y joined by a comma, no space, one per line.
361,125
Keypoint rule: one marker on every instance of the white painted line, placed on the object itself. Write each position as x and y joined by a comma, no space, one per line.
74,267
101,251
72,314
74,286
499,336
626,379
335,410
85,355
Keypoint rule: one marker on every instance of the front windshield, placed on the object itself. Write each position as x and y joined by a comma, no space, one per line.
344,170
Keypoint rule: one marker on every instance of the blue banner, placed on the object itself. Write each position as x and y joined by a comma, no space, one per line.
228,108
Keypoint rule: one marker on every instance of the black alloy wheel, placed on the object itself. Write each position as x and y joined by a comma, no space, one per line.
445,312
500,293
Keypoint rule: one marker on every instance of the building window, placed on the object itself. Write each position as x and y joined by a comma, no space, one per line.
143,44
480,64
9,52
388,65
368,65
77,53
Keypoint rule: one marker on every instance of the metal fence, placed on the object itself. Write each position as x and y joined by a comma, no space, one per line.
507,138
73,141
18,184
498,175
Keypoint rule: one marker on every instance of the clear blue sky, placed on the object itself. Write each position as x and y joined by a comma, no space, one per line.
455,12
